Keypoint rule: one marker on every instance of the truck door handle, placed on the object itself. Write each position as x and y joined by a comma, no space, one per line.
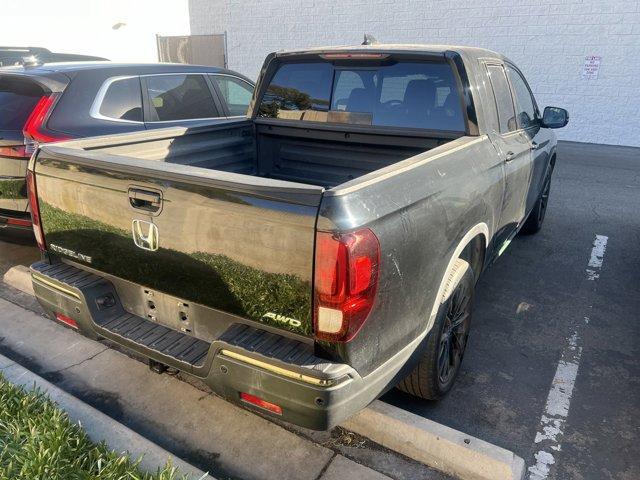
146,200
510,156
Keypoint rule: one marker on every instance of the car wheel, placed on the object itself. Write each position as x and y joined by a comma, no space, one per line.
534,222
440,363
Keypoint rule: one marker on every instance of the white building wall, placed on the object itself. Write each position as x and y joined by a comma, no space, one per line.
86,26
547,39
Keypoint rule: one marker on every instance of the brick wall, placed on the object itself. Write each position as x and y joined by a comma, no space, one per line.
547,39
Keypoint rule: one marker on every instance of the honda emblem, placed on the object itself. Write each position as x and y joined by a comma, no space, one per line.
145,235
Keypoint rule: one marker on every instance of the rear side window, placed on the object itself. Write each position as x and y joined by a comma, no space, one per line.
504,101
17,100
421,95
179,97
235,92
123,100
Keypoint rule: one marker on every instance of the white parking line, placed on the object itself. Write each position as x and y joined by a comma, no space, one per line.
556,410
597,257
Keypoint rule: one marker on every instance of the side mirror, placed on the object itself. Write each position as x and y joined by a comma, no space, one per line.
554,117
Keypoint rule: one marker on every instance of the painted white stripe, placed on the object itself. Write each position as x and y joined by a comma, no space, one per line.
556,409
597,257
553,420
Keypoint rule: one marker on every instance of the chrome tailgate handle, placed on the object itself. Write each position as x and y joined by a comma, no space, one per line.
147,200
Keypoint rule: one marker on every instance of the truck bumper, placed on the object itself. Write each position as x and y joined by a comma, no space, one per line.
310,391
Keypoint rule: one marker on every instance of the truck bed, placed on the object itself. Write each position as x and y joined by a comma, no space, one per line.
233,208
319,156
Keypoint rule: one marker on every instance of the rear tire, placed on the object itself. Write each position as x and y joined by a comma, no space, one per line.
533,224
440,363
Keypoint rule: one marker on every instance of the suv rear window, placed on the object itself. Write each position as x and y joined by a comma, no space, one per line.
17,100
123,100
420,95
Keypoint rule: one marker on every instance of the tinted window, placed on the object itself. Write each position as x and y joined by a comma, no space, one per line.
298,89
235,92
413,95
504,101
179,97
525,107
123,100
17,99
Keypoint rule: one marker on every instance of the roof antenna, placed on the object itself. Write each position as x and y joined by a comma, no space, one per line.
369,39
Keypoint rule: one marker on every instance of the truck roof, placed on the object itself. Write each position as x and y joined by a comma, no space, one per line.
399,48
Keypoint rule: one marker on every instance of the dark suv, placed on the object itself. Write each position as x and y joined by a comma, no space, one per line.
10,56
54,102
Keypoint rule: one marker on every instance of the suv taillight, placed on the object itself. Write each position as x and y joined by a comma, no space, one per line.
32,193
345,283
34,130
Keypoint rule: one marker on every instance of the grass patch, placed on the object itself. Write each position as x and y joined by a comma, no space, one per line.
13,189
38,441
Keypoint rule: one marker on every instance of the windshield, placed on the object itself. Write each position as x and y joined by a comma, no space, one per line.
420,95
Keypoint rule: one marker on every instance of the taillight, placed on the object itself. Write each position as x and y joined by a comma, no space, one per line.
32,193
34,129
345,283
14,151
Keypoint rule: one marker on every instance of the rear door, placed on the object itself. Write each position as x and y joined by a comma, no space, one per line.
514,147
18,97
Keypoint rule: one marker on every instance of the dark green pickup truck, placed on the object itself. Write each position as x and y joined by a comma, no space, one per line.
306,259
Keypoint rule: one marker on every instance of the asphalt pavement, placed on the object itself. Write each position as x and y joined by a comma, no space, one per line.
541,302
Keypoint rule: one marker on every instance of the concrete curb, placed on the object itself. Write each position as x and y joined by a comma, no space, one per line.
99,426
19,278
435,445
418,438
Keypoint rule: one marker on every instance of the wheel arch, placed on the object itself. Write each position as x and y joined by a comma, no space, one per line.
473,245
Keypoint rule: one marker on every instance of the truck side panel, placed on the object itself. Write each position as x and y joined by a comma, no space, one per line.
419,209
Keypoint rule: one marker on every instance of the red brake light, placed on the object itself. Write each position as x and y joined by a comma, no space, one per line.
354,56
32,193
34,129
259,402
345,283
19,222
17,151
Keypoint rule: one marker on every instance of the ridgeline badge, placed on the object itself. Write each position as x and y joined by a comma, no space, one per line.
70,253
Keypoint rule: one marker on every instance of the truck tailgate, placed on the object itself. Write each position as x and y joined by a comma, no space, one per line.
240,244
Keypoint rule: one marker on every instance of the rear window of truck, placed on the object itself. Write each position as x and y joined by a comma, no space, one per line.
422,95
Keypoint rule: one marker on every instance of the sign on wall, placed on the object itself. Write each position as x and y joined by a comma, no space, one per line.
591,67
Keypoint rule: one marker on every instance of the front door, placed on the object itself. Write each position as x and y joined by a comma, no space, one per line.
528,119
514,147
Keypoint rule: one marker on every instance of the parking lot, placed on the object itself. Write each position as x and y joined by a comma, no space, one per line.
552,371
528,307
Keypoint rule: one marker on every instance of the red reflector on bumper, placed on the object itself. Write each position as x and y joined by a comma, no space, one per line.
19,221
66,320
258,402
